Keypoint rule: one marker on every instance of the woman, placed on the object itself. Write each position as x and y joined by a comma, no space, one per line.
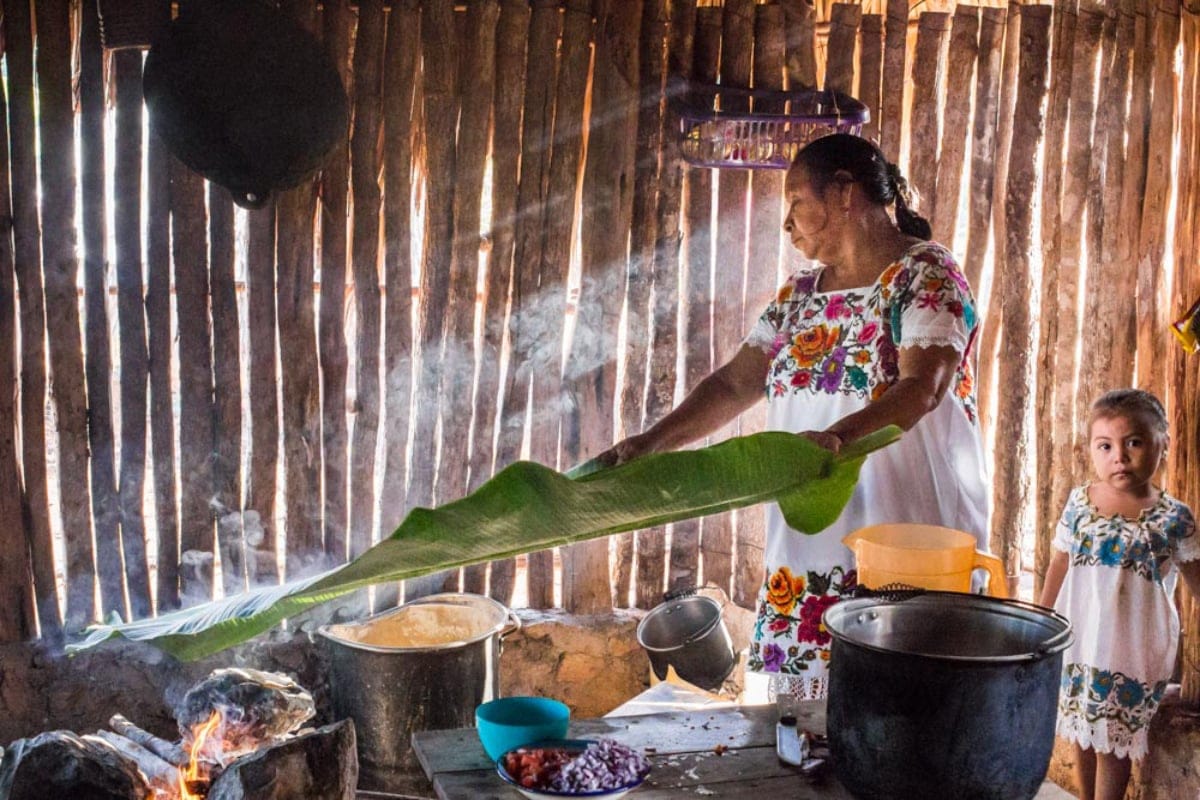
879,334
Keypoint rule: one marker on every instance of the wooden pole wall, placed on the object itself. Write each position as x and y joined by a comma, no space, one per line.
593,243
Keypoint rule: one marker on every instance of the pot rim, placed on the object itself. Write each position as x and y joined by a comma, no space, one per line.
507,620
1054,644
692,639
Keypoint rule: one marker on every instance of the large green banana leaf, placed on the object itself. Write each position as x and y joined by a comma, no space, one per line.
527,507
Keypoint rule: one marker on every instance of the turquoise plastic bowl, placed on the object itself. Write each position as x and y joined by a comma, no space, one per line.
511,722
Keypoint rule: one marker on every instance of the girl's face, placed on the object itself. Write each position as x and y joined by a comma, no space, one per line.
1126,452
810,221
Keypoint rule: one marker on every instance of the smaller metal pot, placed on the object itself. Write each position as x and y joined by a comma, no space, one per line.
688,633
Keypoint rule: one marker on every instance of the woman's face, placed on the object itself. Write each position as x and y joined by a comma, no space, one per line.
808,220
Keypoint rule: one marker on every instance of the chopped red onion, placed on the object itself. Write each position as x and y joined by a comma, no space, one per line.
605,764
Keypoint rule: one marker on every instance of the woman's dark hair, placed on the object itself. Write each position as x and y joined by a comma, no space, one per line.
822,159
1131,403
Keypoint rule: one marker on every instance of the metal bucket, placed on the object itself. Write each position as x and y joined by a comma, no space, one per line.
423,666
943,695
687,633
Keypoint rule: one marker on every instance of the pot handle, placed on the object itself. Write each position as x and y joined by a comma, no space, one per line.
514,624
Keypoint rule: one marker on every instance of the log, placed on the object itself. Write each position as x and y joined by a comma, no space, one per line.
800,18
18,57
61,764
983,148
401,53
842,42
696,305
60,265
364,252
651,558
870,72
17,618
321,765
511,32
336,20
1151,308
158,772
956,122
684,552
1062,59
261,480
188,238
170,752
584,570
1013,521
607,206
928,76
98,362
131,316
227,392
536,323
895,78
458,356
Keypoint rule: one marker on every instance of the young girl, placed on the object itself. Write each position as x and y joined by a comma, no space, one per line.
1114,549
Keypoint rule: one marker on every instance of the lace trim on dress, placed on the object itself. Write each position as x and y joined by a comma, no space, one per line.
1103,737
797,687
948,340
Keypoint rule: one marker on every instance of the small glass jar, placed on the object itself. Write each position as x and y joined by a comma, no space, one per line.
789,741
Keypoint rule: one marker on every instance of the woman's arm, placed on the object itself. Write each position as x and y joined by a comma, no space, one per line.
925,375
726,392
1056,571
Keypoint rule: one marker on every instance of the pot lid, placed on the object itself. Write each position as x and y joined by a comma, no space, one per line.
436,622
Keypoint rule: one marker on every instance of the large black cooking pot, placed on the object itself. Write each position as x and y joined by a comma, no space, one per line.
242,94
943,695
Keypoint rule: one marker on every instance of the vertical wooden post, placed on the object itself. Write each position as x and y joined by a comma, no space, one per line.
336,22
1012,520
1151,315
870,73
131,315
843,41
511,32
895,76
960,64
98,362
364,253
227,392
17,618
585,575
927,79
18,57
60,265
983,147
801,38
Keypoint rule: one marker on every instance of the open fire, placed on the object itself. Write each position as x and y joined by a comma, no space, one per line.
236,727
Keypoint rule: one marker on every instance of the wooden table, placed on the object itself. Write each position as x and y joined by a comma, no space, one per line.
684,761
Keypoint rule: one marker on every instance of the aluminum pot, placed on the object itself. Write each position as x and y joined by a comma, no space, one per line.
688,633
423,666
944,695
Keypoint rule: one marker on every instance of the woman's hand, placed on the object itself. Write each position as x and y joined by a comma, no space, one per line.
627,450
827,439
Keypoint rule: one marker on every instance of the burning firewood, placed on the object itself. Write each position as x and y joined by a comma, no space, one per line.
168,751
255,707
316,765
159,774
61,764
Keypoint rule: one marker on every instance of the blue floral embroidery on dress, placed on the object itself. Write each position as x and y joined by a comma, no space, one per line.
1100,694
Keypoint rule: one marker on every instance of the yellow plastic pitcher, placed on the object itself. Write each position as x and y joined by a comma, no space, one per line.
925,556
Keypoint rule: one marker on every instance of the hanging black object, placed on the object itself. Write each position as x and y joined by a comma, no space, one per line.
243,95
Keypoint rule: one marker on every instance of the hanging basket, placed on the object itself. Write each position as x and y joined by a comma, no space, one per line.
769,134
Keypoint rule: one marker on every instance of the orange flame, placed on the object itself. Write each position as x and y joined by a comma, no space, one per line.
193,772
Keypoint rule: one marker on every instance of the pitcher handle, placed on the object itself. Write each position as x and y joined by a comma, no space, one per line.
997,580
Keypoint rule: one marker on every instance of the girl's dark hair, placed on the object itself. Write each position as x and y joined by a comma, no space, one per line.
822,160
1131,403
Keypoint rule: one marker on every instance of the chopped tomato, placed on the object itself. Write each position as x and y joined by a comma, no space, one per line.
536,767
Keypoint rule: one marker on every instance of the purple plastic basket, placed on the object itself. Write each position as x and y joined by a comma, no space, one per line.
731,128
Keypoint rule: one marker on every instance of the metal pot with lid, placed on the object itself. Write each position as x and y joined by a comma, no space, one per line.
686,632
943,694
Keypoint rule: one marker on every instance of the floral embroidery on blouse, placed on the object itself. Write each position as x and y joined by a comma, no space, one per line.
1143,547
789,633
1099,694
848,341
